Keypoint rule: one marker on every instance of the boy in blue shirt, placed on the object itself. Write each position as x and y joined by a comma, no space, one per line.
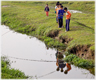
60,16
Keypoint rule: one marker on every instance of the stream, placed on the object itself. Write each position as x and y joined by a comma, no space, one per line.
21,49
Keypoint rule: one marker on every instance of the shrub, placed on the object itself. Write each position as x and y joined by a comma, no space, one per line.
79,61
8,73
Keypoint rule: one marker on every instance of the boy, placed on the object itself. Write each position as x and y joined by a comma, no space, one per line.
47,10
60,16
60,62
68,16
56,6
57,12
60,5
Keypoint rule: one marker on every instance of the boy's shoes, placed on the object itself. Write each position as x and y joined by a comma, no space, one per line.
65,31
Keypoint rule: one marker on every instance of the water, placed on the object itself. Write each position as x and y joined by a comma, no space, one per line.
22,46
75,11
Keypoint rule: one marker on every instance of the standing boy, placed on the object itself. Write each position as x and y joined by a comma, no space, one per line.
60,16
56,6
57,12
47,10
68,16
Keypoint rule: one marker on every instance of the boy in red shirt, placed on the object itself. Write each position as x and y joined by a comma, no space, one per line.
47,10
68,16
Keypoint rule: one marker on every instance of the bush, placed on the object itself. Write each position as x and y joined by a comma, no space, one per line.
8,73
79,61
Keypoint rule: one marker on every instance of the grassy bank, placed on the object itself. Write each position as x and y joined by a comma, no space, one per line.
82,63
29,18
9,73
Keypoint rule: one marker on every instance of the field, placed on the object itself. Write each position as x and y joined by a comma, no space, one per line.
29,18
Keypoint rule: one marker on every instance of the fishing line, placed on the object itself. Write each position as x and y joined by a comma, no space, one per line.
5,33
29,59
46,74
43,75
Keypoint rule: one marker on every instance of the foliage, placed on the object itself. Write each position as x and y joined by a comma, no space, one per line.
28,17
79,61
9,73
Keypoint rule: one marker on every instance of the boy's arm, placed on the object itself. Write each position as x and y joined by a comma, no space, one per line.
63,14
68,67
58,12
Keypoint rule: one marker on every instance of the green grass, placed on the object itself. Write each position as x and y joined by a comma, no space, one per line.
29,18
73,59
9,73
52,42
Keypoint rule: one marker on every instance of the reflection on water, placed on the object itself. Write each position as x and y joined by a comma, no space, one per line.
61,64
22,46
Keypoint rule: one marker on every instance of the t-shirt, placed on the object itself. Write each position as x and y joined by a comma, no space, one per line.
60,14
55,7
47,9
68,15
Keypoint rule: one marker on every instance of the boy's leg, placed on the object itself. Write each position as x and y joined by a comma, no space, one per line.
46,13
61,69
57,19
67,25
59,22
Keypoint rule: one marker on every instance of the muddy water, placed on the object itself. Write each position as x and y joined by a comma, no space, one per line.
22,46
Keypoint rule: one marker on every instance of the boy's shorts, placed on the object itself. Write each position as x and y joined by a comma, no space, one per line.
62,65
